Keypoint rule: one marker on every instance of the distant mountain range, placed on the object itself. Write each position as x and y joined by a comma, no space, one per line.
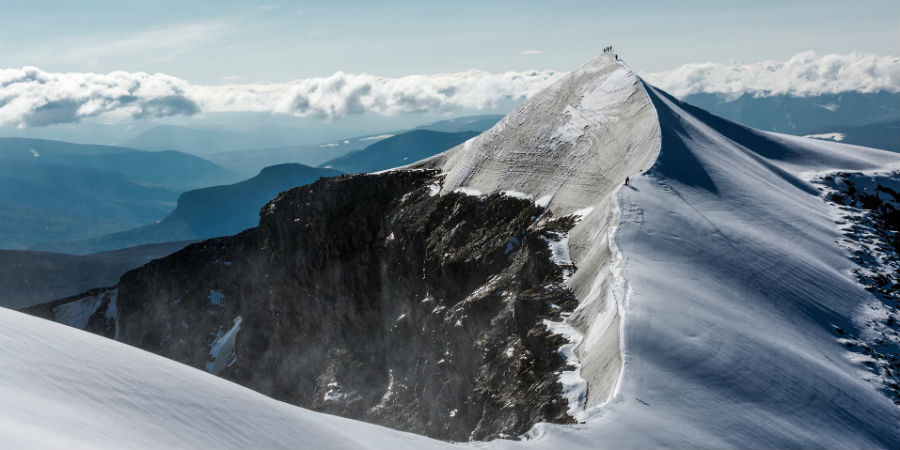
398,150
803,115
885,135
171,168
51,190
467,123
204,213
200,141
250,162
86,198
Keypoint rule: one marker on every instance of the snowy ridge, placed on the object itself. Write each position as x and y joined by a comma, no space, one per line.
571,146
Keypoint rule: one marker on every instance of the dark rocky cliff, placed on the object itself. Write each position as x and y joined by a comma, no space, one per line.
369,297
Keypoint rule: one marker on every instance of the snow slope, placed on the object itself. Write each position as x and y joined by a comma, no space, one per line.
66,388
737,283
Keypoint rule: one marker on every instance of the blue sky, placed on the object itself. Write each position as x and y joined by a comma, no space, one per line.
243,41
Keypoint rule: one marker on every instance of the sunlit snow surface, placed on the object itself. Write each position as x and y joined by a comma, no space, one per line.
62,388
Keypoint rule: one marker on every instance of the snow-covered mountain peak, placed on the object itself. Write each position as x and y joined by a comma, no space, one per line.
574,141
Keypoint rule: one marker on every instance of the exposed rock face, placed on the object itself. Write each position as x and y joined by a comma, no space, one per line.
869,207
369,297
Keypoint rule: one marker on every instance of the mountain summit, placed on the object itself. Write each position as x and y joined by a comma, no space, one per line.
517,280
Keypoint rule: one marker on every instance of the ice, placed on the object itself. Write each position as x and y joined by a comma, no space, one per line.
221,351
559,249
216,297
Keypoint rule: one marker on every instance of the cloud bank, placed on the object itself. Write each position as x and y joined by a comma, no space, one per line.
32,97
804,74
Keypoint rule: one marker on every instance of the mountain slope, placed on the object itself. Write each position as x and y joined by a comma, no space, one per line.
47,202
205,213
169,168
716,306
737,287
398,150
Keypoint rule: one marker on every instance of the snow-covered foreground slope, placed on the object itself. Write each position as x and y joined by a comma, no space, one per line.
65,388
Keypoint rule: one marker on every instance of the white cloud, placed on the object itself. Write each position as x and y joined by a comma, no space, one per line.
804,74
33,97
530,52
